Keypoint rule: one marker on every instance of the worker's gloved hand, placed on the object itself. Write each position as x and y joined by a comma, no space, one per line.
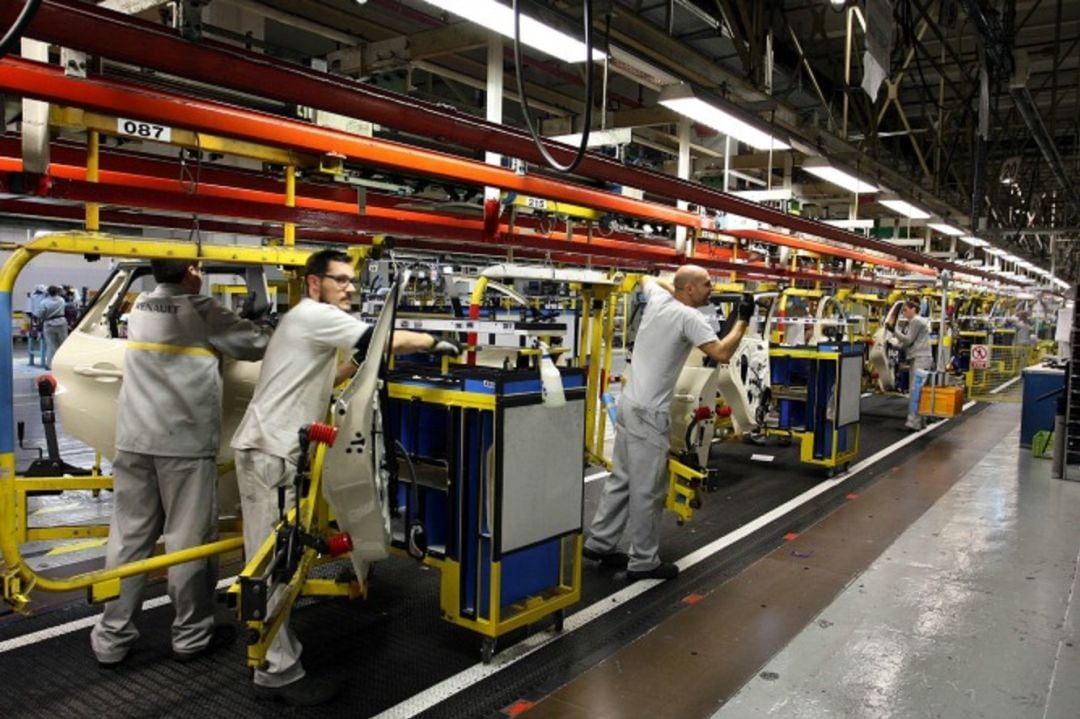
745,310
892,341
252,309
445,348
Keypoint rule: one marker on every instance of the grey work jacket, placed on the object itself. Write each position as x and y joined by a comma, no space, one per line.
915,338
170,400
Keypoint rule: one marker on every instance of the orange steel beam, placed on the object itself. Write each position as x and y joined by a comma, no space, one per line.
780,238
47,83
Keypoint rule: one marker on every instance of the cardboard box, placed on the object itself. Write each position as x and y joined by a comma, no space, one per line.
941,401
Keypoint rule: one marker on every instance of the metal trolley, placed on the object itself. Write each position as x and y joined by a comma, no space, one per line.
490,492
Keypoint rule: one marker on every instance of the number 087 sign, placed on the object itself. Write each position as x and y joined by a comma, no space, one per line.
980,356
144,130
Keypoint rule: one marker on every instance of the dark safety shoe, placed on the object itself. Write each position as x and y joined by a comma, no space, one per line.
308,691
664,570
618,560
223,636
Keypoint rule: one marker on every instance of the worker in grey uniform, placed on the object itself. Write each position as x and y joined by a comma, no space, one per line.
632,500
54,323
294,389
914,340
167,436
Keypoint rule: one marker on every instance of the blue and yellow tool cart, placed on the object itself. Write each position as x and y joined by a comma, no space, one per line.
817,393
490,490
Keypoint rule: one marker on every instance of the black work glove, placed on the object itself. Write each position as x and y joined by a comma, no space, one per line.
445,348
745,309
252,310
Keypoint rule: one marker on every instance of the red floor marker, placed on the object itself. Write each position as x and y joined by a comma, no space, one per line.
519,707
853,495
791,535
693,598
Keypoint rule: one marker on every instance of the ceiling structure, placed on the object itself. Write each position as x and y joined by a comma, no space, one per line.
794,65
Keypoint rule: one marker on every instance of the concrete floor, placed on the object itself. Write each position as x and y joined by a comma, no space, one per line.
971,612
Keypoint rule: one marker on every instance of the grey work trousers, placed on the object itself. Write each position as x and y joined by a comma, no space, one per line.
258,476
914,419
174,498
632,501
54,337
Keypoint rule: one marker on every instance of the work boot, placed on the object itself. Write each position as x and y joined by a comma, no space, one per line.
222,637
617,560
308,691
664,570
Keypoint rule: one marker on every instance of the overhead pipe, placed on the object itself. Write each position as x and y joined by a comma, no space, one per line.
1001,56
74,24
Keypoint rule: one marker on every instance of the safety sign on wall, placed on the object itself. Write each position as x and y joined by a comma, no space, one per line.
980,356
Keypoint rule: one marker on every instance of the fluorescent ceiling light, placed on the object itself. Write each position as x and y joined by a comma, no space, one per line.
777,195
500,18
905,208
996,251
852,183
946,229
852,224
680,98
974,241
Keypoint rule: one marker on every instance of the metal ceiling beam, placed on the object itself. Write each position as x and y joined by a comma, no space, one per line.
75,24
998,52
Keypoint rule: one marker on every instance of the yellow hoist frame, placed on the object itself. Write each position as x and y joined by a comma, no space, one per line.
19,579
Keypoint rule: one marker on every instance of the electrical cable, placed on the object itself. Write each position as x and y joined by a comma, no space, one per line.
15,32
524,100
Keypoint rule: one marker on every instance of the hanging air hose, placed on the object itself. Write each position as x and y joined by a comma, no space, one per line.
523,98
15,32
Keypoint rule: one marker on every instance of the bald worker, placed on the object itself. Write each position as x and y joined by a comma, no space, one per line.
633,496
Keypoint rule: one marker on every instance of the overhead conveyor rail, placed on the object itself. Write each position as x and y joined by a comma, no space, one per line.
117,187
92,29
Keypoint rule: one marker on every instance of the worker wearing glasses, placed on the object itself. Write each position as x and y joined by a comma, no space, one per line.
298,375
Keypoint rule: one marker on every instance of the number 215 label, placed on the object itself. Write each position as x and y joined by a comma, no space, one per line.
144,130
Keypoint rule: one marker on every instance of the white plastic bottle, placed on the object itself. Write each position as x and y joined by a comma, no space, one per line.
551,390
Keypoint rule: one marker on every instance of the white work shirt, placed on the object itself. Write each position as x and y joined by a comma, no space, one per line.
669,330
297,377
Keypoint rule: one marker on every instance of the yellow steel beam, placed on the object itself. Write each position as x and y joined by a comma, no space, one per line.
77,119
470,400
93,159
553,206
94,243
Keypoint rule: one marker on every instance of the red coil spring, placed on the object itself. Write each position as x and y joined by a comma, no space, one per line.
319,432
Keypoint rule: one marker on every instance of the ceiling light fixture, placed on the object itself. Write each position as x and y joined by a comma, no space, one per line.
841,178
500,18
974,241
946,229
681,99
905,208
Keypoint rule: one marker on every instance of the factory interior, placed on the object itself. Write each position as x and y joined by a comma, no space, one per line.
633,358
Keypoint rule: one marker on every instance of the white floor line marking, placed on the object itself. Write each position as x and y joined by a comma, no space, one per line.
466,678
1001,387
597,475
74,626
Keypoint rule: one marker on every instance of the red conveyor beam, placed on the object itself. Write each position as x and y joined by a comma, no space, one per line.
779,238
75,24
47,83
